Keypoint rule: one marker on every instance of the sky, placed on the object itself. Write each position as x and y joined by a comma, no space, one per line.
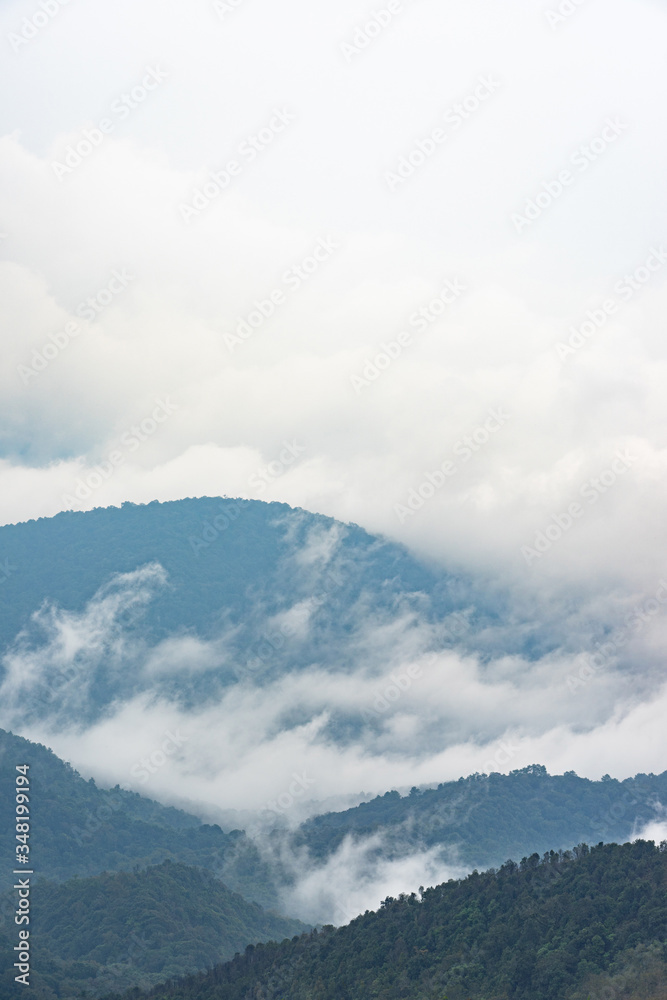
122,300
400,263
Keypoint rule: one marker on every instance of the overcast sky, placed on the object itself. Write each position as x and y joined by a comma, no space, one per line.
426,292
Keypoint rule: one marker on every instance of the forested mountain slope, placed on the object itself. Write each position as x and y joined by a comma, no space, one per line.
117,930
484,819
184,600
218,554
80,829
563,927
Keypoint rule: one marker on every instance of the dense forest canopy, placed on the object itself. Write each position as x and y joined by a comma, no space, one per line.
85,830
91,935
566,926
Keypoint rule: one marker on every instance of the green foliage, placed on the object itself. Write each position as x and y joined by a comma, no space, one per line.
481,820
639,973
81,829
219,554
206,568
139,928
540,930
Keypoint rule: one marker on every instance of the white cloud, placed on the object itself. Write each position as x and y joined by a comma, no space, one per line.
183,655
357,877
164,334
161,337
655,831
51,666
379,714
273,749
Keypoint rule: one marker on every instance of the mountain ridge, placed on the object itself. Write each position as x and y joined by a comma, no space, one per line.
560,927
124,929
81,830
556,809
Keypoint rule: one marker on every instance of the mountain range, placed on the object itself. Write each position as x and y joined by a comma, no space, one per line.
234,674
568,926
162,894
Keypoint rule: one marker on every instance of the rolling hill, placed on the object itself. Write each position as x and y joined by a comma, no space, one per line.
80,829
135,928
481,820
567,926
